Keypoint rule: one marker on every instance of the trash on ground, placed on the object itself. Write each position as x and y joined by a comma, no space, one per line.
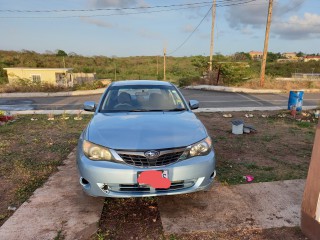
264,116
248,178
305,114
237,126
227,115
12,208
248,115
317,113
50,119
34,119
248,129
282,115
77,118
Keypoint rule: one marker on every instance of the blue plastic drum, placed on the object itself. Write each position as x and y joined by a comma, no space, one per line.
295,100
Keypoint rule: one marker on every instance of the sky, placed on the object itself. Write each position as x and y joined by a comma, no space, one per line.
120,28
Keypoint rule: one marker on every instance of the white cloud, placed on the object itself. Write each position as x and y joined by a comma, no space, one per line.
97,22
255,14
298,28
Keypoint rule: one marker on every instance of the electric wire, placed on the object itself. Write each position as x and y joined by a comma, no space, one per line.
223,3
113,9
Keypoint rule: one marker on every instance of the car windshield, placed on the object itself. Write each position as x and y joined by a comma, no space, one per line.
142,98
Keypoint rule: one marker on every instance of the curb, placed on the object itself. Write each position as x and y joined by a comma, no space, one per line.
54,94
239,109
244,90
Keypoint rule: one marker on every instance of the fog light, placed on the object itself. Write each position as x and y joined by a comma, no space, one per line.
213,175
105,188
84,182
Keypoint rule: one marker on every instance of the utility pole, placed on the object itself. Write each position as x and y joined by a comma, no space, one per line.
157,66
115,72
266,42
64,62
164,64
212,33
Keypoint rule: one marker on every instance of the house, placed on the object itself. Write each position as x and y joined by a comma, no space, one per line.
311,58
255,55
56,76
289,55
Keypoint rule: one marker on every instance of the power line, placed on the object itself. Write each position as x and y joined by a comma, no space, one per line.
191,32
111,9
113,14
222,3
195,29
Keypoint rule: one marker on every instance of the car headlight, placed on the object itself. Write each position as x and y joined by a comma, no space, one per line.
198,149
96,152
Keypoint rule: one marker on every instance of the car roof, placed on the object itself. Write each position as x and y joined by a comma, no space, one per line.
141,82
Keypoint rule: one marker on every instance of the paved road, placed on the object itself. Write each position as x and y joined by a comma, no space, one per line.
207,99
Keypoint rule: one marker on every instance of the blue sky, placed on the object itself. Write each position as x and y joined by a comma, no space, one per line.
295,27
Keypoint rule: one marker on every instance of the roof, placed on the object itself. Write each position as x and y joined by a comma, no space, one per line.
39,69
312,57
141,82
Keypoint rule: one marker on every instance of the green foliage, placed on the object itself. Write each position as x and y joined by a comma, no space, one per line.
300,54
187,81
242,56
179,69
234,73
200,63
61,53
273,57
89,86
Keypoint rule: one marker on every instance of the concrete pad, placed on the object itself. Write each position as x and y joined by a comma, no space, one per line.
247,206
60,205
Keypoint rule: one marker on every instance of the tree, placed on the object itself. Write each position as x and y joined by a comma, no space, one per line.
300,54
273,57
61,53
200,63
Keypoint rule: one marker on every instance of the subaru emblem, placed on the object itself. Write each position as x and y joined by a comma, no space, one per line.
152,154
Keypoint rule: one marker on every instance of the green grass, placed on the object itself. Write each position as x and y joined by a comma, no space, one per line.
31,151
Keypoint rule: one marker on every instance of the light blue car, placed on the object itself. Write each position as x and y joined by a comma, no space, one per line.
144,140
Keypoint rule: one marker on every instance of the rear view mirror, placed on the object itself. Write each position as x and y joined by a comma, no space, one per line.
194,104
89,106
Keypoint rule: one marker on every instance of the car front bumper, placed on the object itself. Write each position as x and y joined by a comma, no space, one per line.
110,179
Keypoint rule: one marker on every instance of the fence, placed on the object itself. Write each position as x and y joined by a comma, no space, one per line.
306,76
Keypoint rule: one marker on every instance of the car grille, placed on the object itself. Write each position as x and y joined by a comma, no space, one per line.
177,185
138,159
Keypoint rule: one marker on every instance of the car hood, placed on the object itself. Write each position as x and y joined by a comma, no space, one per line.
145,131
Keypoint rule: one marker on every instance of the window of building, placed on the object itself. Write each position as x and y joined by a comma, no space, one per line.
36,78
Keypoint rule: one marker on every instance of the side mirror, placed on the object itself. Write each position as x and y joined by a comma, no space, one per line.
89,106
194,104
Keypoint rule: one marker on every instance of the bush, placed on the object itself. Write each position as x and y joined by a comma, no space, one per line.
187,81
89,85
25,85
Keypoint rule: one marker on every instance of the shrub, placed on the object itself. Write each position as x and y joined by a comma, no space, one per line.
187,81
89,85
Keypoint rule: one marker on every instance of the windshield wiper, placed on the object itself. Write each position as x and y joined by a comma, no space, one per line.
176,109
139,110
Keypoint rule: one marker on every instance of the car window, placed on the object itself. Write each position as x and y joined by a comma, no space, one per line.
142,98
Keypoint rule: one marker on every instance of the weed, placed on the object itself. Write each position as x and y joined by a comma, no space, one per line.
59,235
304,124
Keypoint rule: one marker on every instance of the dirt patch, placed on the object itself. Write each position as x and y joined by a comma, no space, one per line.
130,218
243,234
30,151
